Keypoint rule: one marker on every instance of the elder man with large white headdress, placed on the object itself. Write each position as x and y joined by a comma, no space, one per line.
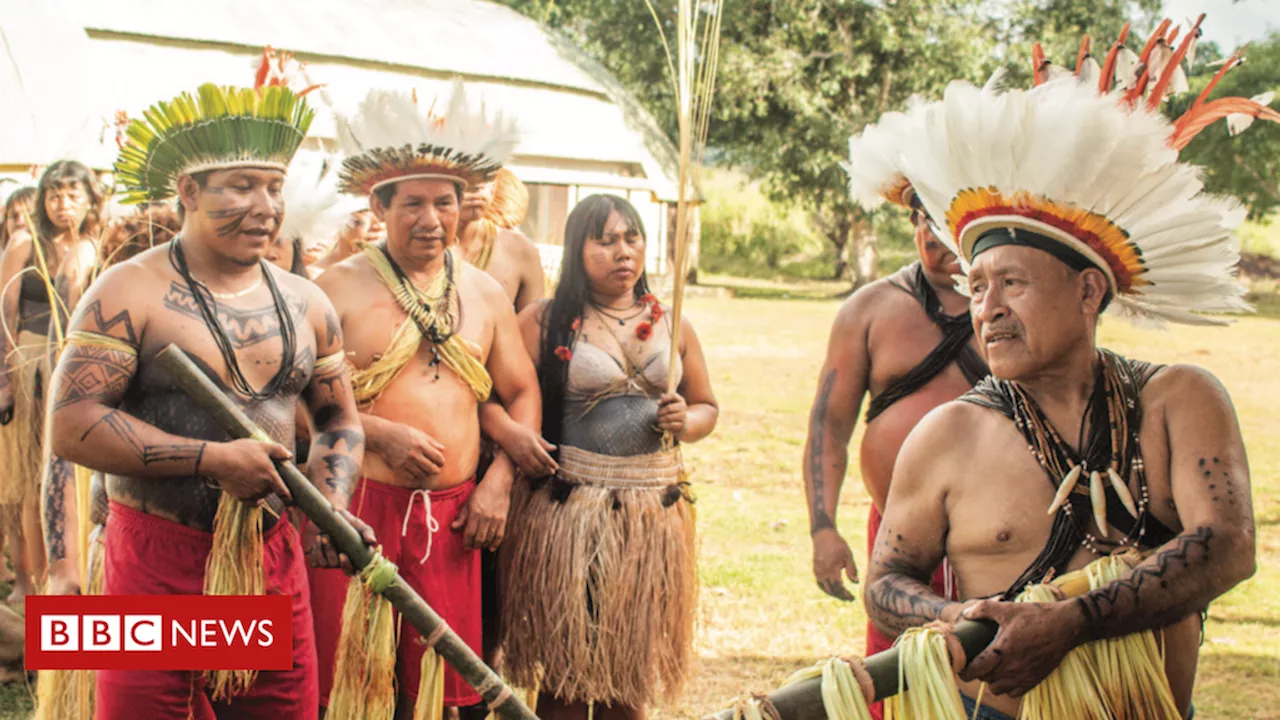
1064,202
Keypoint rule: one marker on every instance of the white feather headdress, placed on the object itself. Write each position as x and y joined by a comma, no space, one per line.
1085,166
390,139
314,210
1061,163
873,165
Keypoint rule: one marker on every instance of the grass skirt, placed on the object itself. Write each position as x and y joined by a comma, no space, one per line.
599,583
21,451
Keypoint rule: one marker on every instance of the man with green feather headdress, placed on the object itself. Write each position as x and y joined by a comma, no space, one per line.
192,511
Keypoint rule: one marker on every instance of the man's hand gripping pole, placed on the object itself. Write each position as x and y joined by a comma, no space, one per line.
496,693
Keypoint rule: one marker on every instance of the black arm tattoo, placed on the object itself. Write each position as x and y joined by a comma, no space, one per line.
820,518
58,475
1116,609
343,473
901,599
183,453
93,373
119,321
330,439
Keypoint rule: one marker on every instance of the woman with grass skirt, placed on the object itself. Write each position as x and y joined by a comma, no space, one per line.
598,578
60,239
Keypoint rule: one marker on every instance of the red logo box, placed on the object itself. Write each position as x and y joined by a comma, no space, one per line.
159,632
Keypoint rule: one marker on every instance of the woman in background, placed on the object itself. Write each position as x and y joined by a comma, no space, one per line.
599,587
58,249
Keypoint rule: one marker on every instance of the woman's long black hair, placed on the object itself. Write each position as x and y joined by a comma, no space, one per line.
57,174
572,295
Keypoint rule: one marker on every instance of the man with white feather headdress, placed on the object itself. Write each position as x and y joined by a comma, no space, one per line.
1063,202
430,338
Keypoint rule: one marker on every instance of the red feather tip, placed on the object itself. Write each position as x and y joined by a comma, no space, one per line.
1082,53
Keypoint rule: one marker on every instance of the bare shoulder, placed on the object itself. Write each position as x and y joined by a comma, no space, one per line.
515,244
19,248
484,283
868,301
336,277
122,296
1183,388
536,312
953,429
144,270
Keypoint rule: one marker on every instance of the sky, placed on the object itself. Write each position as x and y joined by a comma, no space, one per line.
1230,24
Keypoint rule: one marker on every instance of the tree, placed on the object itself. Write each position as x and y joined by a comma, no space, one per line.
796,79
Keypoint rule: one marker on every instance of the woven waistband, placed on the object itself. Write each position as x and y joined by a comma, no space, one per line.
652,470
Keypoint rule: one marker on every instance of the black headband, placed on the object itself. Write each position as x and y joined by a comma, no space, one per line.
995,237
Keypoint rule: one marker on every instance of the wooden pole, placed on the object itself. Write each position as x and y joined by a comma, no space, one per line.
803,701
346,539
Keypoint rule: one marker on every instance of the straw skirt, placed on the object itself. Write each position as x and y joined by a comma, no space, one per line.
599,583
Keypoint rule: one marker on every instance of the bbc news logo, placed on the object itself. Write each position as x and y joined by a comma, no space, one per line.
159,632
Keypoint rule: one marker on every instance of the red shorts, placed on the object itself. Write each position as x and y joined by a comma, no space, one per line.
876,640
449,580
149,555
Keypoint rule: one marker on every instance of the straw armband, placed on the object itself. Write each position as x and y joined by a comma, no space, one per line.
87,339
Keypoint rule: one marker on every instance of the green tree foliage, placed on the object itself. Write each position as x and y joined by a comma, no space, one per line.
797,77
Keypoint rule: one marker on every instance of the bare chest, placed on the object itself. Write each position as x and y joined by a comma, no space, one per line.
371,328
251,339
900,339
997,510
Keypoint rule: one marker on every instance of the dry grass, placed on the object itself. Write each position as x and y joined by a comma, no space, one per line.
763,616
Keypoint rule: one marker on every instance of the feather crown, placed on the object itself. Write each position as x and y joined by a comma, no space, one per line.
1077,173
390,139
219,128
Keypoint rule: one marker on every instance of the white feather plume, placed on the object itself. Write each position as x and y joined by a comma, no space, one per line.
388,126
1239,122
314,210
872,166
1065,143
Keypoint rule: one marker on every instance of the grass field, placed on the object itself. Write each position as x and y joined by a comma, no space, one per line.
763,617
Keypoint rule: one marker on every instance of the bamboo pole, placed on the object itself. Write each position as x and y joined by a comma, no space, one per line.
347,540
803,700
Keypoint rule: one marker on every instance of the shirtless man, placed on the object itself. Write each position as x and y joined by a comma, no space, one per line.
488,238
966,485
420,408
363,228
263,335
907,339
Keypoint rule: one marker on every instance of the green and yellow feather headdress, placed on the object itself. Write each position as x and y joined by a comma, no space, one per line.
221,127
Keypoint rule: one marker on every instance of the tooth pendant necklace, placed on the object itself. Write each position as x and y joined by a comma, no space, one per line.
1097,494
1111,446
